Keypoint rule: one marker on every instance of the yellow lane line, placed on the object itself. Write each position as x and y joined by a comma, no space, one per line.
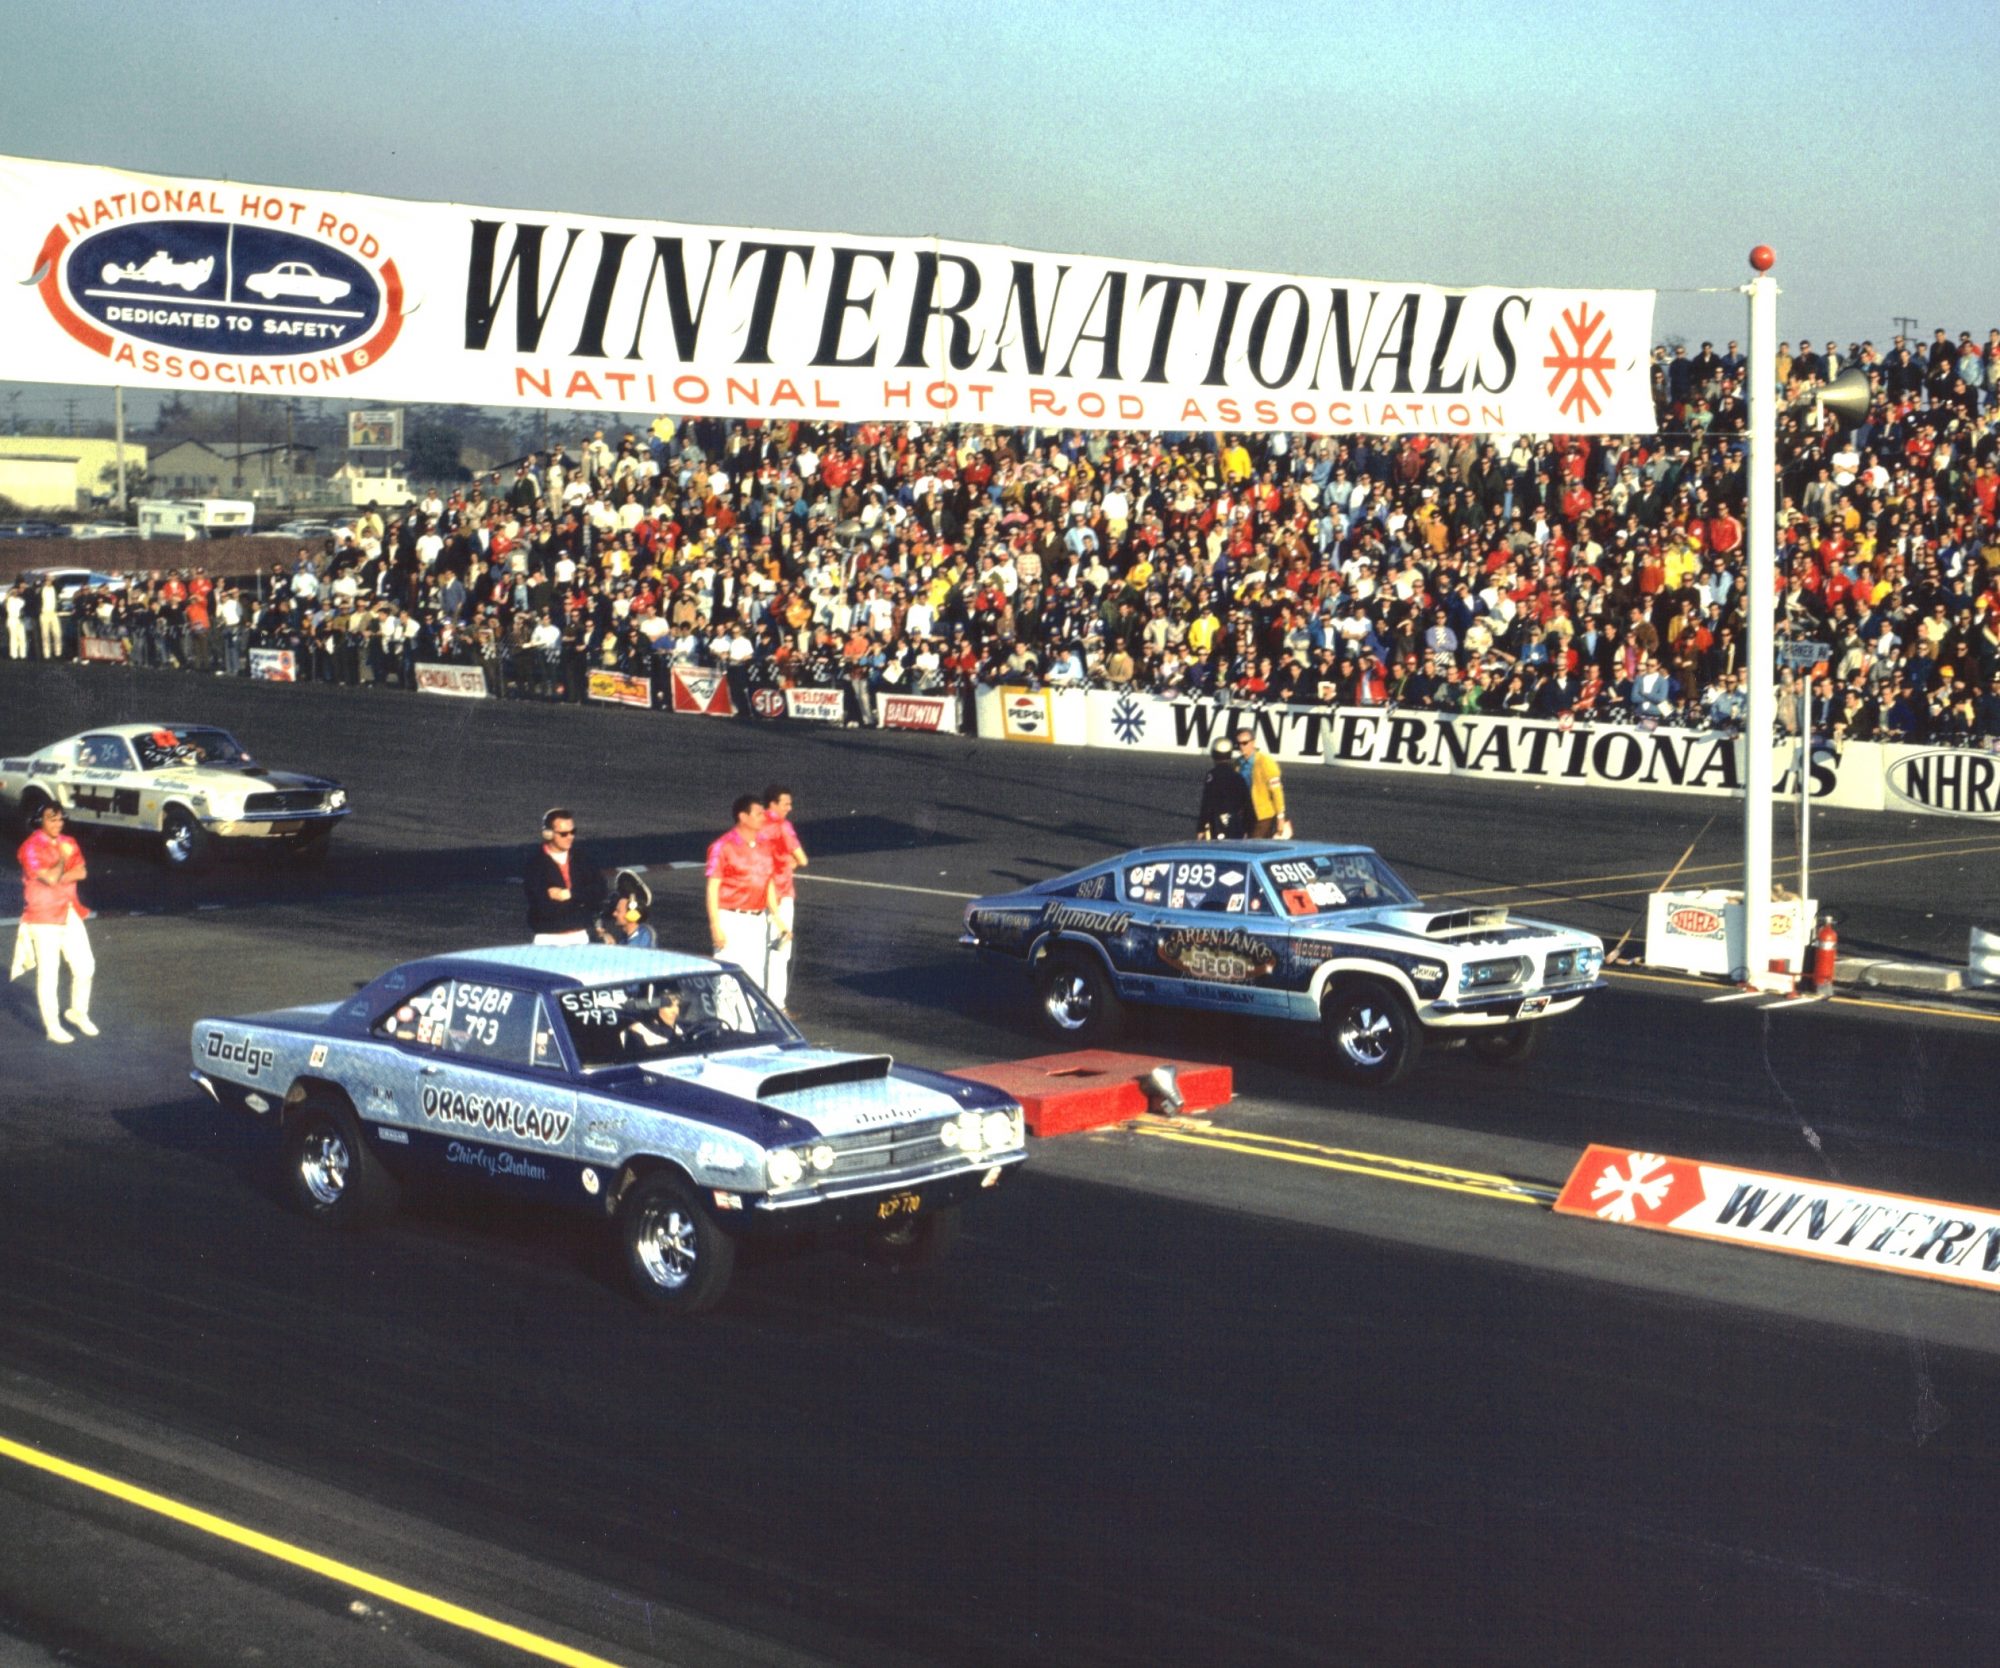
1370,1158
533,1644
1978,1016
1398,1170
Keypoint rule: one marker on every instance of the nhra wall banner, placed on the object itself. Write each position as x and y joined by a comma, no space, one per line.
145,281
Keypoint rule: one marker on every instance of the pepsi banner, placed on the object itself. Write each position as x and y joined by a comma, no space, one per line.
146,281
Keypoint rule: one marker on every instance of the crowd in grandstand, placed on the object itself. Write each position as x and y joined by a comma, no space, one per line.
1547,576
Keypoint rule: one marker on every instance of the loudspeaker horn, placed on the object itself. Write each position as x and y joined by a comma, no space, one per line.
1848,395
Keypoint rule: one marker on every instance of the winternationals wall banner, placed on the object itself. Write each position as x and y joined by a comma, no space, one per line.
149,282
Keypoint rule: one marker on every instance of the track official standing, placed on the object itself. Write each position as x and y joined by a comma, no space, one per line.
565,892
1267,789
1225,797
52,929
781,841
743,917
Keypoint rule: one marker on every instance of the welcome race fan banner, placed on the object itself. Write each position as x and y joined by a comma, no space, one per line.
143,281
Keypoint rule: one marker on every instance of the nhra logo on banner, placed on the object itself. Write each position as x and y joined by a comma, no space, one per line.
1964,784
273,666
222,284
701,691
1765,1212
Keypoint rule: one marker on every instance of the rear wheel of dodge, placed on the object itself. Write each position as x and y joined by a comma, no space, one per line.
184,843
1372,1034
1509,1045
676,1256
332,1175
1074,999
913,1241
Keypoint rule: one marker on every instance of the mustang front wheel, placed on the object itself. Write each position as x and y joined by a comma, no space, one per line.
678,1259
1374,1037
184,843
1074,1000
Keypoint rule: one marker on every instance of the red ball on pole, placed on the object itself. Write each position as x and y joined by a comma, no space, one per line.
1763,257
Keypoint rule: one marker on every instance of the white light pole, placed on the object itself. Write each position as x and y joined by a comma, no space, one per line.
1760,581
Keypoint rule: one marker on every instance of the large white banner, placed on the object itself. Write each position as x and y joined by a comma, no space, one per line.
150,282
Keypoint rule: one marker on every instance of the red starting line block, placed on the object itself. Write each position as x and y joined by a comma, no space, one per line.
1062,1093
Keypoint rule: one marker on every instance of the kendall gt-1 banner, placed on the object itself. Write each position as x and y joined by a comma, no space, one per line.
1853,1225
139,280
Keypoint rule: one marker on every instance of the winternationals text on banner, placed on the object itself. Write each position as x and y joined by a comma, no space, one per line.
149,282
1854,1225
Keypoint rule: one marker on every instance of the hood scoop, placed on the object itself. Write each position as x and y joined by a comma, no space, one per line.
858,1068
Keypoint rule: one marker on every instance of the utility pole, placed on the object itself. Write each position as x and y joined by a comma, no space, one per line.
69,415
118,418
1904,327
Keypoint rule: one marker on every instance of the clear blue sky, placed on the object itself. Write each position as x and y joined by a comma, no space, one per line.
1647,145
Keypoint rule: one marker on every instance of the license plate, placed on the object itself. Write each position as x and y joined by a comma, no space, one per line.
898,1204
286,827
1533,1005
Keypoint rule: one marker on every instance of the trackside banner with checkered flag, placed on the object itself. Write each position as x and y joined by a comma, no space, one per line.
1787,1213
146,281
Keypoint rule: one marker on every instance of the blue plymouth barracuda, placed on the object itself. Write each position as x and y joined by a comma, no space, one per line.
661,1091
1286,929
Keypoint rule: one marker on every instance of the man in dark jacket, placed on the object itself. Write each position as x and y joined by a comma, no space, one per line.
1225,796
565,892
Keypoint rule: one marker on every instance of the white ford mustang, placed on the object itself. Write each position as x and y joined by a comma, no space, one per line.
190,784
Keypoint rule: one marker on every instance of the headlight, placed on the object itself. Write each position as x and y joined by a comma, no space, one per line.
1001,1130
783,1168
1589,962
1491,975
948,1133
822,1157
971,1132
336,799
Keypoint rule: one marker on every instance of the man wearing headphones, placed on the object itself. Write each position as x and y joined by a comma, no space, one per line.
565,892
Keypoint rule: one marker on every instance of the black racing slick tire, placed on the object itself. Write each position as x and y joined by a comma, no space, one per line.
1510,1045
332,1175
1371,1032
913,1241
678,1260
184,843
1074,999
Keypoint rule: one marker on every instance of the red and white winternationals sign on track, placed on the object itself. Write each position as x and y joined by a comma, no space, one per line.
145,281
1786,1213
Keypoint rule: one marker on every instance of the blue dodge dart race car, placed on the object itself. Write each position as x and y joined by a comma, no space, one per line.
663,1092
1286,929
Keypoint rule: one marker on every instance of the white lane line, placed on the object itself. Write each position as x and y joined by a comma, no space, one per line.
885,886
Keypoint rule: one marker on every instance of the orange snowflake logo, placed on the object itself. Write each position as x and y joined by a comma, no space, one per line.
1584,356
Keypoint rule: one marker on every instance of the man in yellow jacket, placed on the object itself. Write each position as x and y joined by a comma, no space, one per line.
1267,789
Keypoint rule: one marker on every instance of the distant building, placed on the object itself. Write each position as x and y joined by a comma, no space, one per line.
48,472
278,474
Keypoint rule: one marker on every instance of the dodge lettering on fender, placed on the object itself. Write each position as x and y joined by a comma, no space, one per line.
1288,930
662,1092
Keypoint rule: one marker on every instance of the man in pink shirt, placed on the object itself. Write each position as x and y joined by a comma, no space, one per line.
742,901
52,923
781,840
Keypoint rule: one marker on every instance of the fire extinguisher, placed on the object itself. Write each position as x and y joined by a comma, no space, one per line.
1825,953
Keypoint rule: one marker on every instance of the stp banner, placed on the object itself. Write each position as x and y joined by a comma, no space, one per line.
155,282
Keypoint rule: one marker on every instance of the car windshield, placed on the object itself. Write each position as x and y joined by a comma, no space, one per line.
1330,880
658,1019
177,749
